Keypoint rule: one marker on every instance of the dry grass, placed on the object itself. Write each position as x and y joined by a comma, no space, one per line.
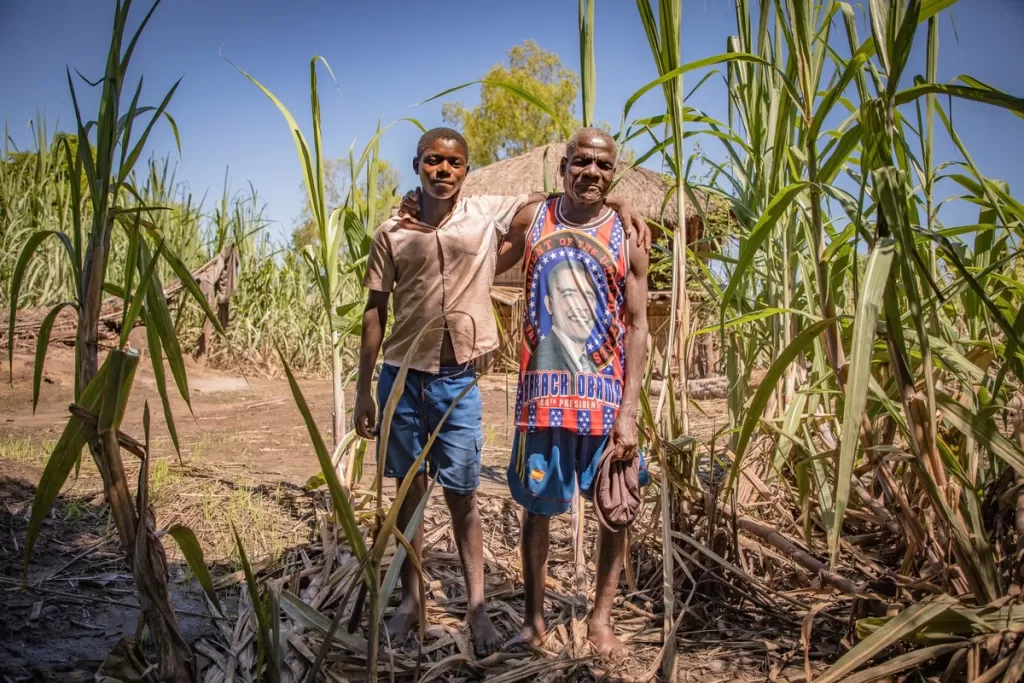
25,449
209,498
731,629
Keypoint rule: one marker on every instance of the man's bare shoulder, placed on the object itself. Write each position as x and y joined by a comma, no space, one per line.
528,212
639,259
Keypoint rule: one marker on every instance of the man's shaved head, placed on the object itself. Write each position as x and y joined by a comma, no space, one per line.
588,167
585,136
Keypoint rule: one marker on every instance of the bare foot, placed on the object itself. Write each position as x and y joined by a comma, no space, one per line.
402,623
485,637
602,637
533,633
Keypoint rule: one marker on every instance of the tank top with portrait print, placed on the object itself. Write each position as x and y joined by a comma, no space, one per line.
572,357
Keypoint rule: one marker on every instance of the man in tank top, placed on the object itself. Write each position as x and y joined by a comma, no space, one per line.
581,365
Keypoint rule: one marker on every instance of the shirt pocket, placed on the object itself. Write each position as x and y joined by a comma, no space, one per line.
467,241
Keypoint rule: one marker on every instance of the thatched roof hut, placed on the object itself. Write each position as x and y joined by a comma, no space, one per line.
645,189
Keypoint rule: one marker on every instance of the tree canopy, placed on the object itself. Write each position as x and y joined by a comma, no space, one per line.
502,124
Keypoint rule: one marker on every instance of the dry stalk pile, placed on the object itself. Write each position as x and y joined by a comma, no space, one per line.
316,585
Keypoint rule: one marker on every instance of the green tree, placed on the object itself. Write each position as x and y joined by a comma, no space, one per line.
338,184
503,125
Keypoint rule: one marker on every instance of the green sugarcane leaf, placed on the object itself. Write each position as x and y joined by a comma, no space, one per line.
160,378
133,156
357,168
131,258
312,620
751,317
85,152
984,95
115,290
342,505
903,42
700,64
193,554
124,124
777,207
158,316
318,193
853,68
139,298
881,18
790,424
126,57
273,673
31,244
800,344
831,168
929,8
301,146
394,569
905,623
42,342
63,458
869,304
516,90
189,282
990,305
982,429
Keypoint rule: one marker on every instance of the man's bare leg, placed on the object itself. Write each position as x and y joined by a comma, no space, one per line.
408,614
469,538
534,547
611,549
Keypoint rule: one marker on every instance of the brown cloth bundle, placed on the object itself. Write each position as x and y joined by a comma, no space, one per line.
617,492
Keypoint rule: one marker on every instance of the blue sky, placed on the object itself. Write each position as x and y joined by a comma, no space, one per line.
390,54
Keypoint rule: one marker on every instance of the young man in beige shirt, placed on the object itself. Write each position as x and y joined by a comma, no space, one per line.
438,260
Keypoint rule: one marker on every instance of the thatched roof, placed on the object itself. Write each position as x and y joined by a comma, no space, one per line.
645,189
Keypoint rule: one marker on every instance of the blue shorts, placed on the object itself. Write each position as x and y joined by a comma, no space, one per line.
454,457
546,463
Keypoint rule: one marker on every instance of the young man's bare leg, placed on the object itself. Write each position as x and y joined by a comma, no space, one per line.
469,538
610,553
534,547
408,615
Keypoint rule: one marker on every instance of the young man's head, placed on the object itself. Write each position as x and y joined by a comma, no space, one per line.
588,166
571,300
442,161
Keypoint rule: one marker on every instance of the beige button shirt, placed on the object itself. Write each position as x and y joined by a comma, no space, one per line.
444,271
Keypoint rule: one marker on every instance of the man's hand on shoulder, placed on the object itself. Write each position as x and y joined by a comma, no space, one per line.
410,205
633,222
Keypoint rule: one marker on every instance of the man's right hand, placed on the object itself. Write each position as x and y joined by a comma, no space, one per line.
364,417
410,203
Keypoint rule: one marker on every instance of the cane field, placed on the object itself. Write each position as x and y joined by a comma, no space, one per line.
182,497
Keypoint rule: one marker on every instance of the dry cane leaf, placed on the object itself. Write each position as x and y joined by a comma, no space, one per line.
805,636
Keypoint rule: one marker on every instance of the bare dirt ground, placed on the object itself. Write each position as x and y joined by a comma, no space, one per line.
245,456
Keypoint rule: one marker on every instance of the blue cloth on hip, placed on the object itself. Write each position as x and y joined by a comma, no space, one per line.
546,464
